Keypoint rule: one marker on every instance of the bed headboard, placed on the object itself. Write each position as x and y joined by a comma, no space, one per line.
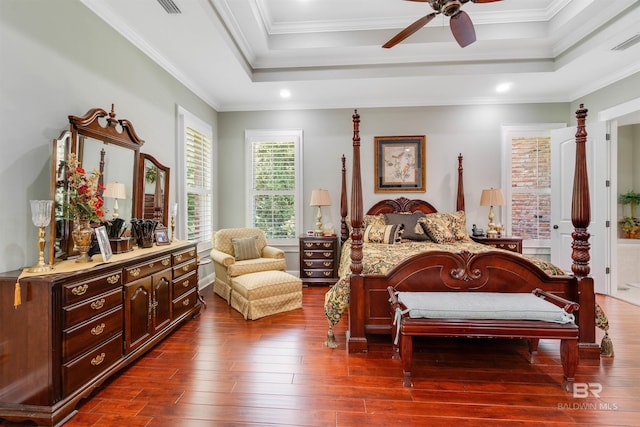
401,204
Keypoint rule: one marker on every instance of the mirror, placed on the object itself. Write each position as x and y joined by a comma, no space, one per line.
102,142
153,188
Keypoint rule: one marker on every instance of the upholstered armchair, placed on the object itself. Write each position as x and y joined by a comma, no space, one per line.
238,251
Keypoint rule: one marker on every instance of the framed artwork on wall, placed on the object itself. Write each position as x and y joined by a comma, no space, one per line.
400,164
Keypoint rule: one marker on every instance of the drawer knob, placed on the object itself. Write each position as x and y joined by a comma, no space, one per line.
98,359
112,280
327,263
327,254
98,329
179,257
185,302
135,272
327,245
98,304
308,263
165,262
308,254
308,244
185,268
309,273
327,273
80,290
185,284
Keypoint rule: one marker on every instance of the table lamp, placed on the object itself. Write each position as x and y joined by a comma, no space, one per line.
115,190
492,197
319,197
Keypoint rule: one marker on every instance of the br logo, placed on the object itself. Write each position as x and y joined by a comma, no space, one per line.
582,390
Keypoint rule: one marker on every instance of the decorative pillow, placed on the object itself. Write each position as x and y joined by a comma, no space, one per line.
389,234
366,220
437,227
245,248
412,229
458,225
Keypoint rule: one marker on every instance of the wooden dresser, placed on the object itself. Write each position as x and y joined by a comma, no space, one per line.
318,260
74,330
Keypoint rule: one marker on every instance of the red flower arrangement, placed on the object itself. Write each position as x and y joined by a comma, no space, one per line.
83,200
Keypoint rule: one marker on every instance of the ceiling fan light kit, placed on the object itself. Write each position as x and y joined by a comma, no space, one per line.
459,22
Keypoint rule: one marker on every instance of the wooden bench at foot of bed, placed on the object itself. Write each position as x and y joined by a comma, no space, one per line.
463,324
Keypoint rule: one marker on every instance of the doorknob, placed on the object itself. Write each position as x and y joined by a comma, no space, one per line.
555,227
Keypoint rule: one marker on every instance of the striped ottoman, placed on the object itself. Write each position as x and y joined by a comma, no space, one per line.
261,294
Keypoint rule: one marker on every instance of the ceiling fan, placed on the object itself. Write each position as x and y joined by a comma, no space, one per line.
460,23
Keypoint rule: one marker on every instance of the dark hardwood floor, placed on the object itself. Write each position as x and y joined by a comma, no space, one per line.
219,369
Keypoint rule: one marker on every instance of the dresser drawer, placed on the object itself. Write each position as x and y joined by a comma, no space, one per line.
184,284
79,291
184,303
185,268
183,256
318,254
78,339
147,268
318,245
91,307
317,274
92,364
313,264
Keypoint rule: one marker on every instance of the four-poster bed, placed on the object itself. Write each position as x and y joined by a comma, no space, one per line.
460,265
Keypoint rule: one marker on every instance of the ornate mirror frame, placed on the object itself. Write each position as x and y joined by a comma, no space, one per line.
117,132
153,189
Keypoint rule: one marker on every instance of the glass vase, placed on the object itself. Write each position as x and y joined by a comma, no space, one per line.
82,238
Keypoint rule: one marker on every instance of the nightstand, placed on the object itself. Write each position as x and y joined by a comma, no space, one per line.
319,260
513,244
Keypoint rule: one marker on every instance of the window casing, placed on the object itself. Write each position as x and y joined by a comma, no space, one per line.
274,183
194,219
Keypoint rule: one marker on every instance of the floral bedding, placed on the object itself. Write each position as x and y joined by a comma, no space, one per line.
379,258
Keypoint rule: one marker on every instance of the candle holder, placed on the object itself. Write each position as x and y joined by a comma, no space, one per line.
174,211
41,215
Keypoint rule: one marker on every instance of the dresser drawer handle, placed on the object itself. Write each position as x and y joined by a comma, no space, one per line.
327,273
308,254
98,304
308,244
327,263
185,284
192,253
165,262
98,359
179,257
309,273
186,268
80,290
112,280
308,263
185,302
98,329
151,264
327,245
327,254
135,272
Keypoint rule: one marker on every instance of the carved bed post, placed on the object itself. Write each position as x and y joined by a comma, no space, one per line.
344,230
580,218
356,341
460,198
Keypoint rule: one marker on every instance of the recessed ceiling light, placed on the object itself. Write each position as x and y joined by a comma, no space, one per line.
284,93
503,87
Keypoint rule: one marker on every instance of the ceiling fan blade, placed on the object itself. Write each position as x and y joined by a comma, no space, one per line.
462,28
409,30
484,1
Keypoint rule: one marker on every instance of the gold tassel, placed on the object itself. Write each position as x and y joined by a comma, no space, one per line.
606,346
331,339
17,299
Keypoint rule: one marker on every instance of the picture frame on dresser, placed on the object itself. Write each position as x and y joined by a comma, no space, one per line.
162,237
400,163
103,242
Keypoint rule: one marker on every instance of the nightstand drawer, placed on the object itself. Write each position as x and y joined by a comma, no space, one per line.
312,264
318,245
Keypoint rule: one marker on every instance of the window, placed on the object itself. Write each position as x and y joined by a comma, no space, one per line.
527,182
274,183
195,177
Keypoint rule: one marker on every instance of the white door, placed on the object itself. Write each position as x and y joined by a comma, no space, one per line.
563,154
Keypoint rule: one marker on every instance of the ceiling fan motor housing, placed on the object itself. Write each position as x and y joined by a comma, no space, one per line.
446,7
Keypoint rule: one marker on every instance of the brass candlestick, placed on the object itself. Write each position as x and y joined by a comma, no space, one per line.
173,226
41,215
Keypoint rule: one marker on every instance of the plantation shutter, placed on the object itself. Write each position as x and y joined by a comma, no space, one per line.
198,155
274,188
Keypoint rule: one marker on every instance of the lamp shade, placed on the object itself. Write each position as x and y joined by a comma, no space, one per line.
115,190
320,197
492,197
